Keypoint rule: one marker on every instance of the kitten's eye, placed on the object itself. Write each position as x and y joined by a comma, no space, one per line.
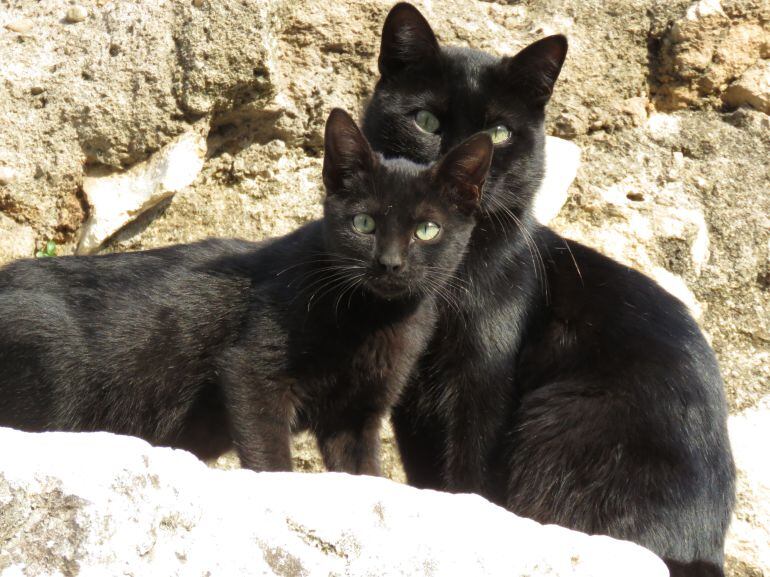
427,230
499,133
363,223
427,121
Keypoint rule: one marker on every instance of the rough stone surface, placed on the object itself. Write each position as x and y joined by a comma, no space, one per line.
753,88
116,199
706,48
748,547
147,511
114,88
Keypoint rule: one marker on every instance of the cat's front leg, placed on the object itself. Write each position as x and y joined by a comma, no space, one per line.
352,445
259,414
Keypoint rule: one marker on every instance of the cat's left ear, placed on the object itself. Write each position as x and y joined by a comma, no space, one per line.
535,69
463,170
407,41
347,154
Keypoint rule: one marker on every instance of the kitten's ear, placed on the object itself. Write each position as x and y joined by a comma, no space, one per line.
536,68
346,151
407,40
464,169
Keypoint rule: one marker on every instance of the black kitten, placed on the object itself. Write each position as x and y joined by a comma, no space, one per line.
562,385
199,346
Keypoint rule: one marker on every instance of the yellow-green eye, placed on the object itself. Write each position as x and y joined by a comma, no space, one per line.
363,223
499,133
427,230
427,121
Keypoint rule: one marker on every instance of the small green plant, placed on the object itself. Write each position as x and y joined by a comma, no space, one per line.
48,250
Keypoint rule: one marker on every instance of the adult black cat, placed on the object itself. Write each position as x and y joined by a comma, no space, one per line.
561,384
197,346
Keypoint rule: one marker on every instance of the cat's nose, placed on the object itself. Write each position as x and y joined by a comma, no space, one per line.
391,262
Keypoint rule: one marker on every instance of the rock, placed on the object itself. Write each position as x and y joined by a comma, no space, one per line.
76,14
150,511
753,88
16,240
118,199
118,89
21,26
7,175
747,551
711,45
562,159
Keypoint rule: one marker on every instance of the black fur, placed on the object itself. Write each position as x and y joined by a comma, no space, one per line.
561,385
219,342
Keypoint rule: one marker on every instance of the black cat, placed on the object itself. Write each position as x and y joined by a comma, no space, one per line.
560,384
199,346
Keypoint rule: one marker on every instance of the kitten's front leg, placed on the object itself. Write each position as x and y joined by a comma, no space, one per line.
352,446
259,413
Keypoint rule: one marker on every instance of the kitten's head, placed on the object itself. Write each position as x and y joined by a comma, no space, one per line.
401,226
429,98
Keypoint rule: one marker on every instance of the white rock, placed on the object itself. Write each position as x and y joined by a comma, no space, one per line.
749,538
76,14
117,199
562,159
704,8
7,175
752,88
149,511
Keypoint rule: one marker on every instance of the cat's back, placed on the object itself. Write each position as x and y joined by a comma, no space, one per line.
610,313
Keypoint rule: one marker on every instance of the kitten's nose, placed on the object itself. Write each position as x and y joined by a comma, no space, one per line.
391,262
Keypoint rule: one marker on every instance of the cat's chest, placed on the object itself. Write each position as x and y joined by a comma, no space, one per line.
366,350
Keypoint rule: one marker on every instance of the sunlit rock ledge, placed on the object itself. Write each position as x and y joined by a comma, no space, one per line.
101,504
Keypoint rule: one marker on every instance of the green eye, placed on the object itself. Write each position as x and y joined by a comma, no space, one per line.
427,121
363,223
499,133
427,230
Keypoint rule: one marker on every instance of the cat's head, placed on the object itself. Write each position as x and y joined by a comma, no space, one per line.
431,97
401,228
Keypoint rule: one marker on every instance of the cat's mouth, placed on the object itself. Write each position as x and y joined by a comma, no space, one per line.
388,287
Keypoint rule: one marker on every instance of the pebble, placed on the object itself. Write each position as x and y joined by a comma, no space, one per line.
35,90
76,14
7,175
20,26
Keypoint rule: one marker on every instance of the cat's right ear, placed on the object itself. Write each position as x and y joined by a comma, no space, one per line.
463,171
407,40
347,153
535,69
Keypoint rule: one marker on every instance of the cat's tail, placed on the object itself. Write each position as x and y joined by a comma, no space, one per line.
693,569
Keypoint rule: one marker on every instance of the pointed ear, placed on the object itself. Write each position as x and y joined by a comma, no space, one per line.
407,40
536,68
464,169
347,153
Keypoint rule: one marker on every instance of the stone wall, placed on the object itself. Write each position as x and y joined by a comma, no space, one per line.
131,125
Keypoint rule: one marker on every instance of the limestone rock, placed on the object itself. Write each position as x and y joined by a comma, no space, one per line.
562,159
706,49
16,240
118,199
116,87
747,544
149,511
753,88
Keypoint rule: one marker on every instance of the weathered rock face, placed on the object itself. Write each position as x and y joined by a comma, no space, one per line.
672,180
748,545
148,511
